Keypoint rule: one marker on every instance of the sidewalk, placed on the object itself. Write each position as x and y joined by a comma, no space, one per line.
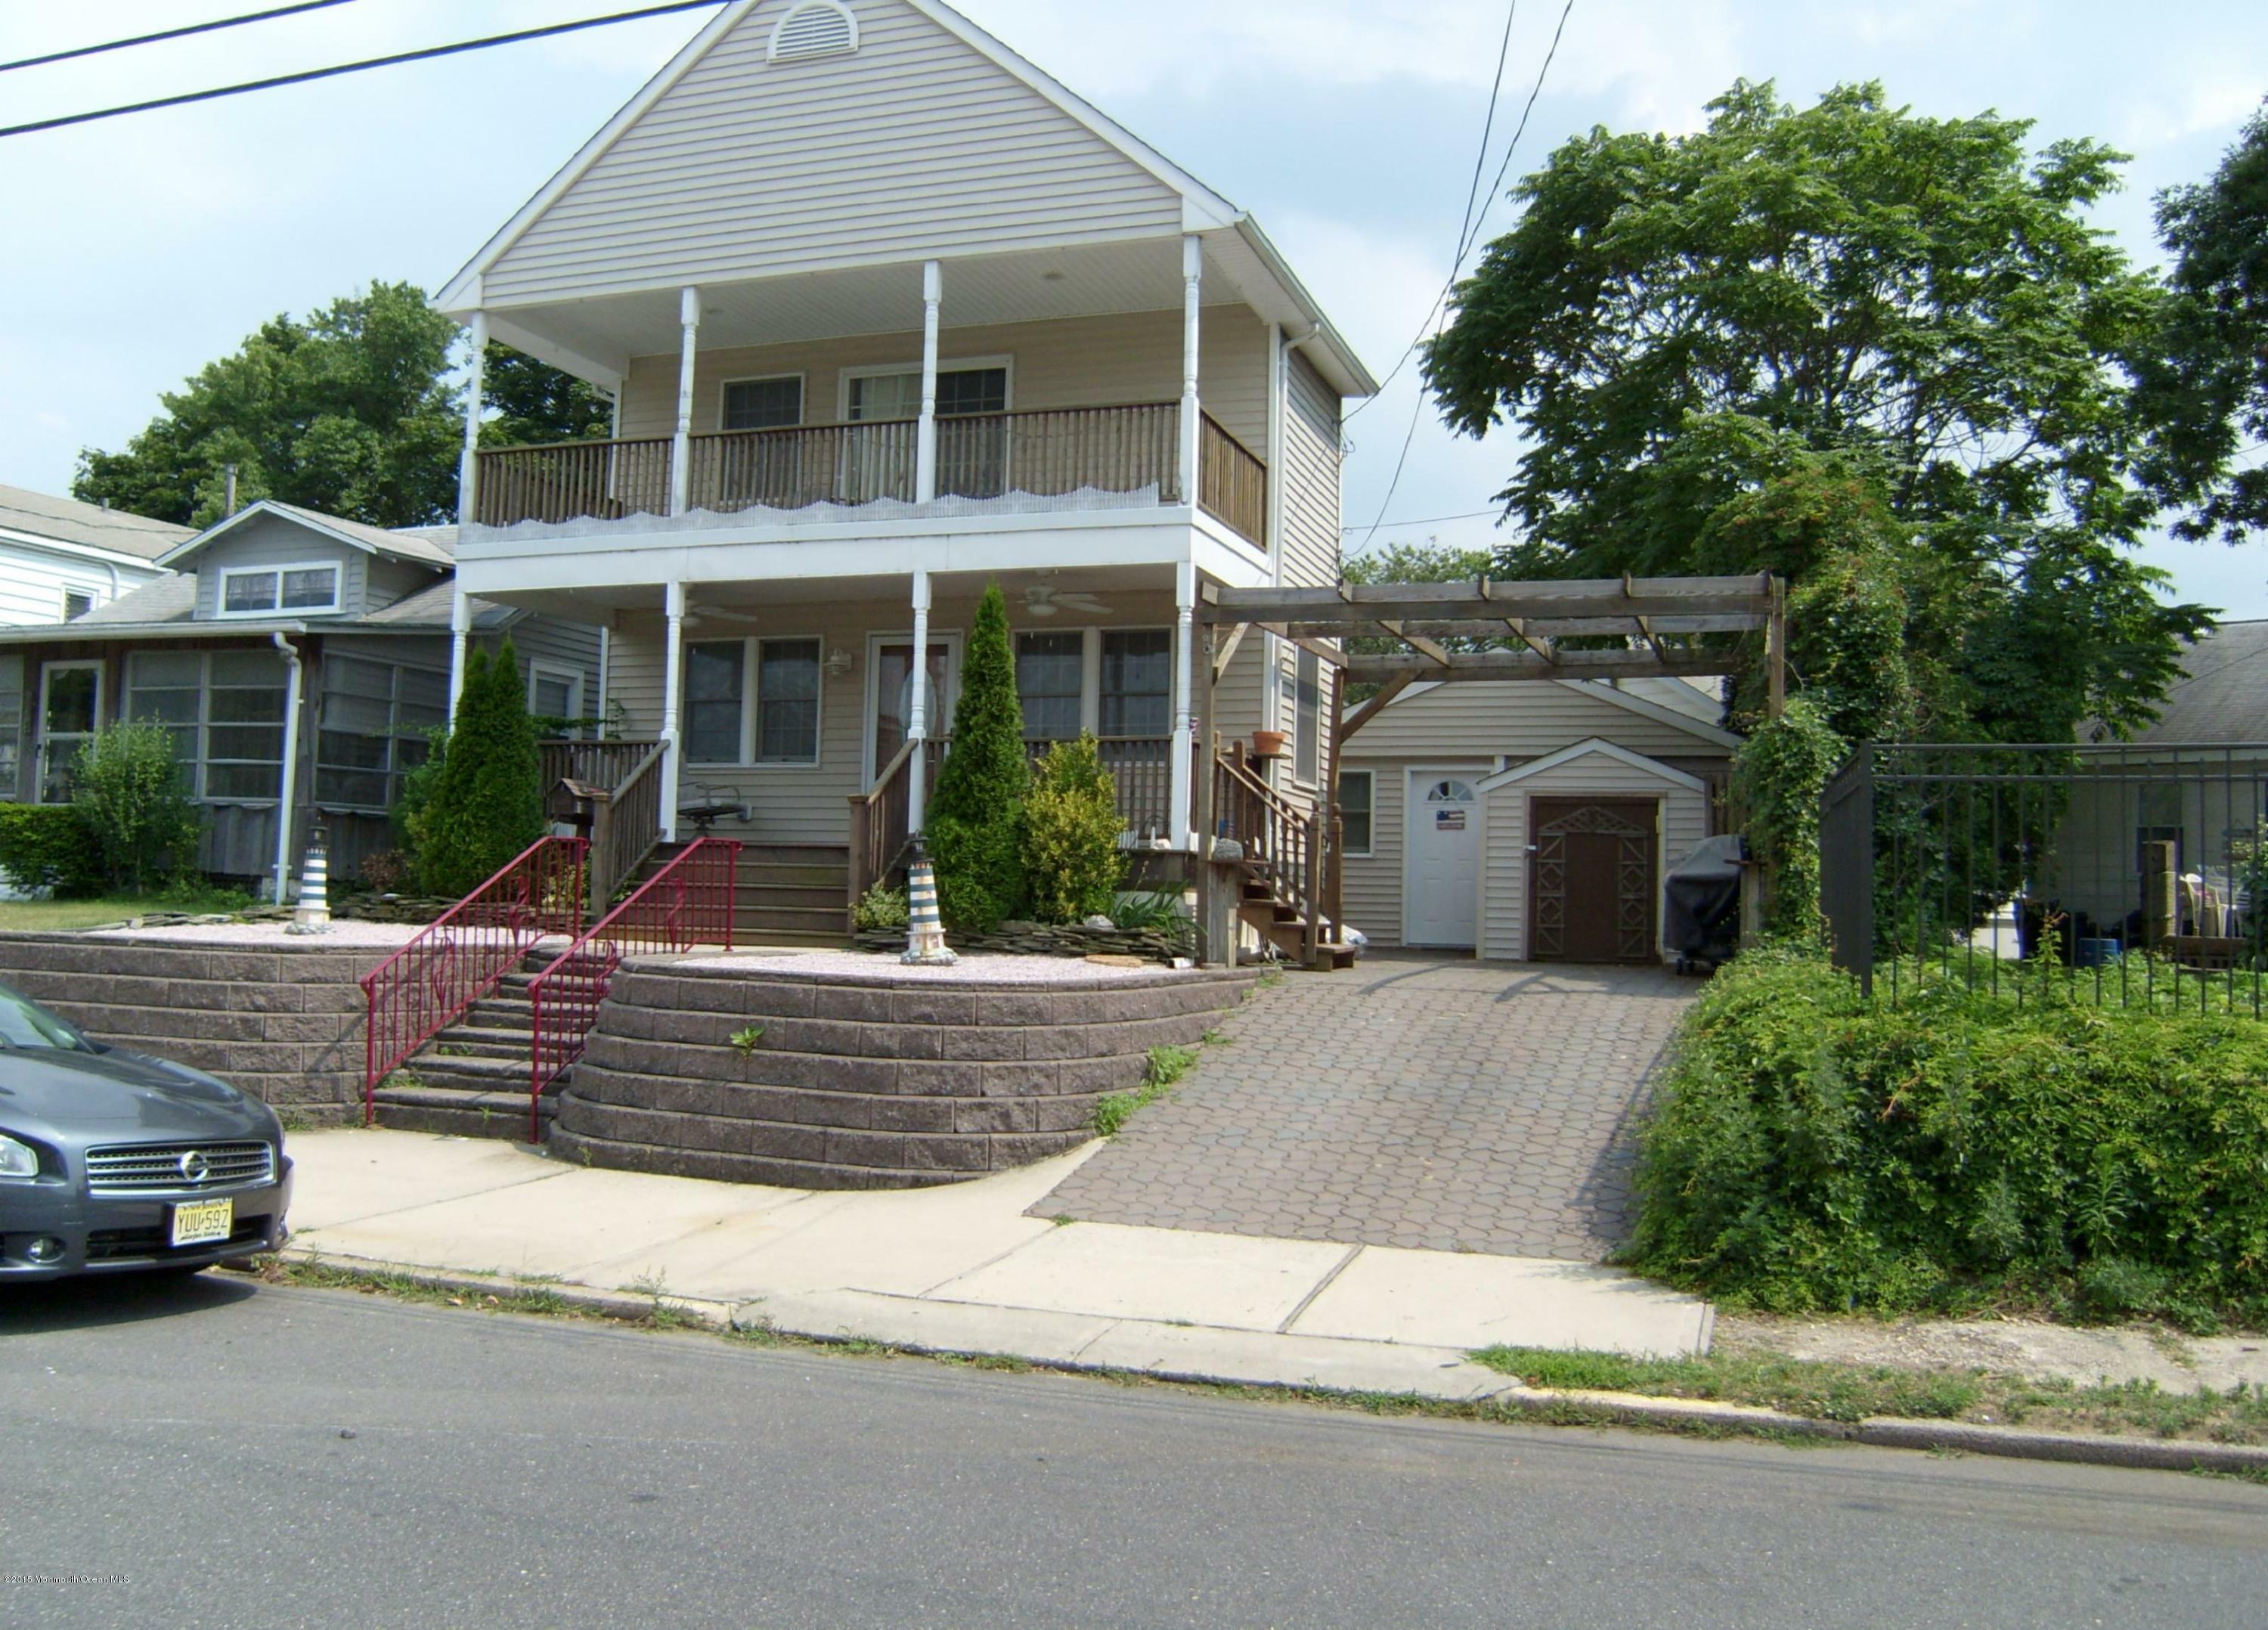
962,1269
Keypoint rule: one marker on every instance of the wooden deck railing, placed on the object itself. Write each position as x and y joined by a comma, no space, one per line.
1132,449
878,822
606,764
568,480
1232,482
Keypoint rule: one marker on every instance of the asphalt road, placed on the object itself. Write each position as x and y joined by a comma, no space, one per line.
218,1454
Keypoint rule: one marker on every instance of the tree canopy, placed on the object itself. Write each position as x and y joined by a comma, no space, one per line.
2210,393
353,410
1897,348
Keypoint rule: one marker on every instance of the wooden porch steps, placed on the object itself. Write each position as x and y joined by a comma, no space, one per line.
1281,925
784,894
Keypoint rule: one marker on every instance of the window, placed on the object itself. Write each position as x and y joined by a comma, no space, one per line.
897,394
715,670
374,728
11,719
1307,717
1051,679
251,591
225,710
555,694
787,701
1136,681
820,28
71,710
752,701
1356,791
77,602
763,404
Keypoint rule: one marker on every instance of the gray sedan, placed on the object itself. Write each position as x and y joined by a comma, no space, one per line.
112,1161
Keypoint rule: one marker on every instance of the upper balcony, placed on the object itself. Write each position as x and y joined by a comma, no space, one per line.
1077,457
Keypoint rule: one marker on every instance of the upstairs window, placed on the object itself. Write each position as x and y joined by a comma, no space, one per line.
818,29
259,591
763,404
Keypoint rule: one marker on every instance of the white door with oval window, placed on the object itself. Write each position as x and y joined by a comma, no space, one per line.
1441,904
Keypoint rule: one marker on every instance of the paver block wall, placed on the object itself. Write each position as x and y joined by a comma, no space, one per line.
863,1084
284,1024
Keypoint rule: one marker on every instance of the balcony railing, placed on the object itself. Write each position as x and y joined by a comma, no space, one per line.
1131,451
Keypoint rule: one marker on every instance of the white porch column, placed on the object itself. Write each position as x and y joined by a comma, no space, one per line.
1192,298
673,689
681,448
1185,603
917,711
925,434
468,463
460,627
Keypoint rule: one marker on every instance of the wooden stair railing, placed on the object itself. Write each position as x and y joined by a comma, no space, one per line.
625,826
878,825
1283,860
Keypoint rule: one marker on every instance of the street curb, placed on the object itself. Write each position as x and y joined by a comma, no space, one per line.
1548,1404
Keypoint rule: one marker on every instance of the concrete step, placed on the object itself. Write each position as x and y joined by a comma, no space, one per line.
477,1041
464,1072
461,1114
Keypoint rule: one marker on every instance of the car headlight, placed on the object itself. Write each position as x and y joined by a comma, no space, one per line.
19,1162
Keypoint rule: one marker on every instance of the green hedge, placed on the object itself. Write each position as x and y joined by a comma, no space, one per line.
1810,1150
50,846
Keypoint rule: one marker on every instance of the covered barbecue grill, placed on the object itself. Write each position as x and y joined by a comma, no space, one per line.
1701,903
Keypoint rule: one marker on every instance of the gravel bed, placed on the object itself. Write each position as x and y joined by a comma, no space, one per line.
342,935
975,967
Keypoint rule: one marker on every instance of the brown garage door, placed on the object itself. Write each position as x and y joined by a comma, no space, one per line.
1591,880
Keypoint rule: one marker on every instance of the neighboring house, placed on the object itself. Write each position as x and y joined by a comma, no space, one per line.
1528,822
273,605
890,315
60,558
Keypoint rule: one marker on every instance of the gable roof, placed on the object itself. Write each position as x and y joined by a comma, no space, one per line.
1584,749
2223,693
1188,204
87,526
1670,702
424,545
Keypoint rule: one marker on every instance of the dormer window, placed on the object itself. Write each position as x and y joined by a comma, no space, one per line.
268,591
815,29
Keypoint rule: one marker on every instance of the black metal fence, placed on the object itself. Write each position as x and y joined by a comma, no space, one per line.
2139,875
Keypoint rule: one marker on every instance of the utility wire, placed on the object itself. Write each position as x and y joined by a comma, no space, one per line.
169,34
348,68
1471,237
1426,520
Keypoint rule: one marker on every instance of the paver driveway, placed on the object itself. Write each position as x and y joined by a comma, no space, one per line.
1408,1101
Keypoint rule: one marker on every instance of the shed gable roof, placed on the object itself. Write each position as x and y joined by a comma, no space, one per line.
932,136
1594,747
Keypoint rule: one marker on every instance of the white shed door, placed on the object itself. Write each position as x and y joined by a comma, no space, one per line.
1444,863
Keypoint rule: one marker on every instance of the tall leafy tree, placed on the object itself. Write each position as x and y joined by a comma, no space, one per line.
1676,322
976,818
2209,393
352,411
486,803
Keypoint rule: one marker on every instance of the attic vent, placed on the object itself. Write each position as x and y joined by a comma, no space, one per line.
818,29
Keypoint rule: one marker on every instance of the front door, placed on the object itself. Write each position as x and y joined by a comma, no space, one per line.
891,709
1592,881
70,712
1443,898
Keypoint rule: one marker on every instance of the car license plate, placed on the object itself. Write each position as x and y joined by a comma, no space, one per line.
203,1222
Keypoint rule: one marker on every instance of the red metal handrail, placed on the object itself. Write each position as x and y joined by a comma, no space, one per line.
688,903
457,959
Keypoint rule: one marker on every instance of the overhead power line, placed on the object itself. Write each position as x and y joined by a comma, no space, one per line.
1424,520
170,34
424,54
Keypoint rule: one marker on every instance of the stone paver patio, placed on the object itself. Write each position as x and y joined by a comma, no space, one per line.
1408,1101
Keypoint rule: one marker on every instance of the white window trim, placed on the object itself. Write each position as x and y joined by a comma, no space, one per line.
751,666
338,589
939,720
1369,851
556,670
802,406
945,364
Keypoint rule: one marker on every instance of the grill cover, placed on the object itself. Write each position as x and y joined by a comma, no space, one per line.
1701,898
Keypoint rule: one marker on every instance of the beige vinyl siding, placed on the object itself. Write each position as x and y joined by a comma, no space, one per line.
557,642
1683,822
810,804
914,147
1519,720
272,540
1083,362
1310,470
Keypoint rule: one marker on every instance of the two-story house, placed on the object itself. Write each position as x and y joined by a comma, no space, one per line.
60,558
889,315
299,660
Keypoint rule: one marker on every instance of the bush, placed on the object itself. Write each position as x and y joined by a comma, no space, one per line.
881,907
486,801
48,846
1812,1150
974,830
1777,776
1072,859
128,791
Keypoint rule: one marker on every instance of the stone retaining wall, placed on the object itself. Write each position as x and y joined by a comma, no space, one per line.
285,1024
859,1083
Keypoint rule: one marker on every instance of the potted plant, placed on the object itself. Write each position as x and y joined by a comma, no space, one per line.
1268,743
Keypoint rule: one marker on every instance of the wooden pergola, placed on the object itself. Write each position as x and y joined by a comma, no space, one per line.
1661,625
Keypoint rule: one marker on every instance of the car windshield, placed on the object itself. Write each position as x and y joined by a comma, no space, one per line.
24,1024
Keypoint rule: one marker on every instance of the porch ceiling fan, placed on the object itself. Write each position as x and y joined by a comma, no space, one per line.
1044,600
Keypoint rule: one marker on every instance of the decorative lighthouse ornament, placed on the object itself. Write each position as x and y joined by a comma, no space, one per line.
312,914
925,934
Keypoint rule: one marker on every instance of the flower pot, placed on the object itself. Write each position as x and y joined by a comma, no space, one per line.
1268,743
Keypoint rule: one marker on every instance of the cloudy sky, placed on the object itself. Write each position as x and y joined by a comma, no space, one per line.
139,248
